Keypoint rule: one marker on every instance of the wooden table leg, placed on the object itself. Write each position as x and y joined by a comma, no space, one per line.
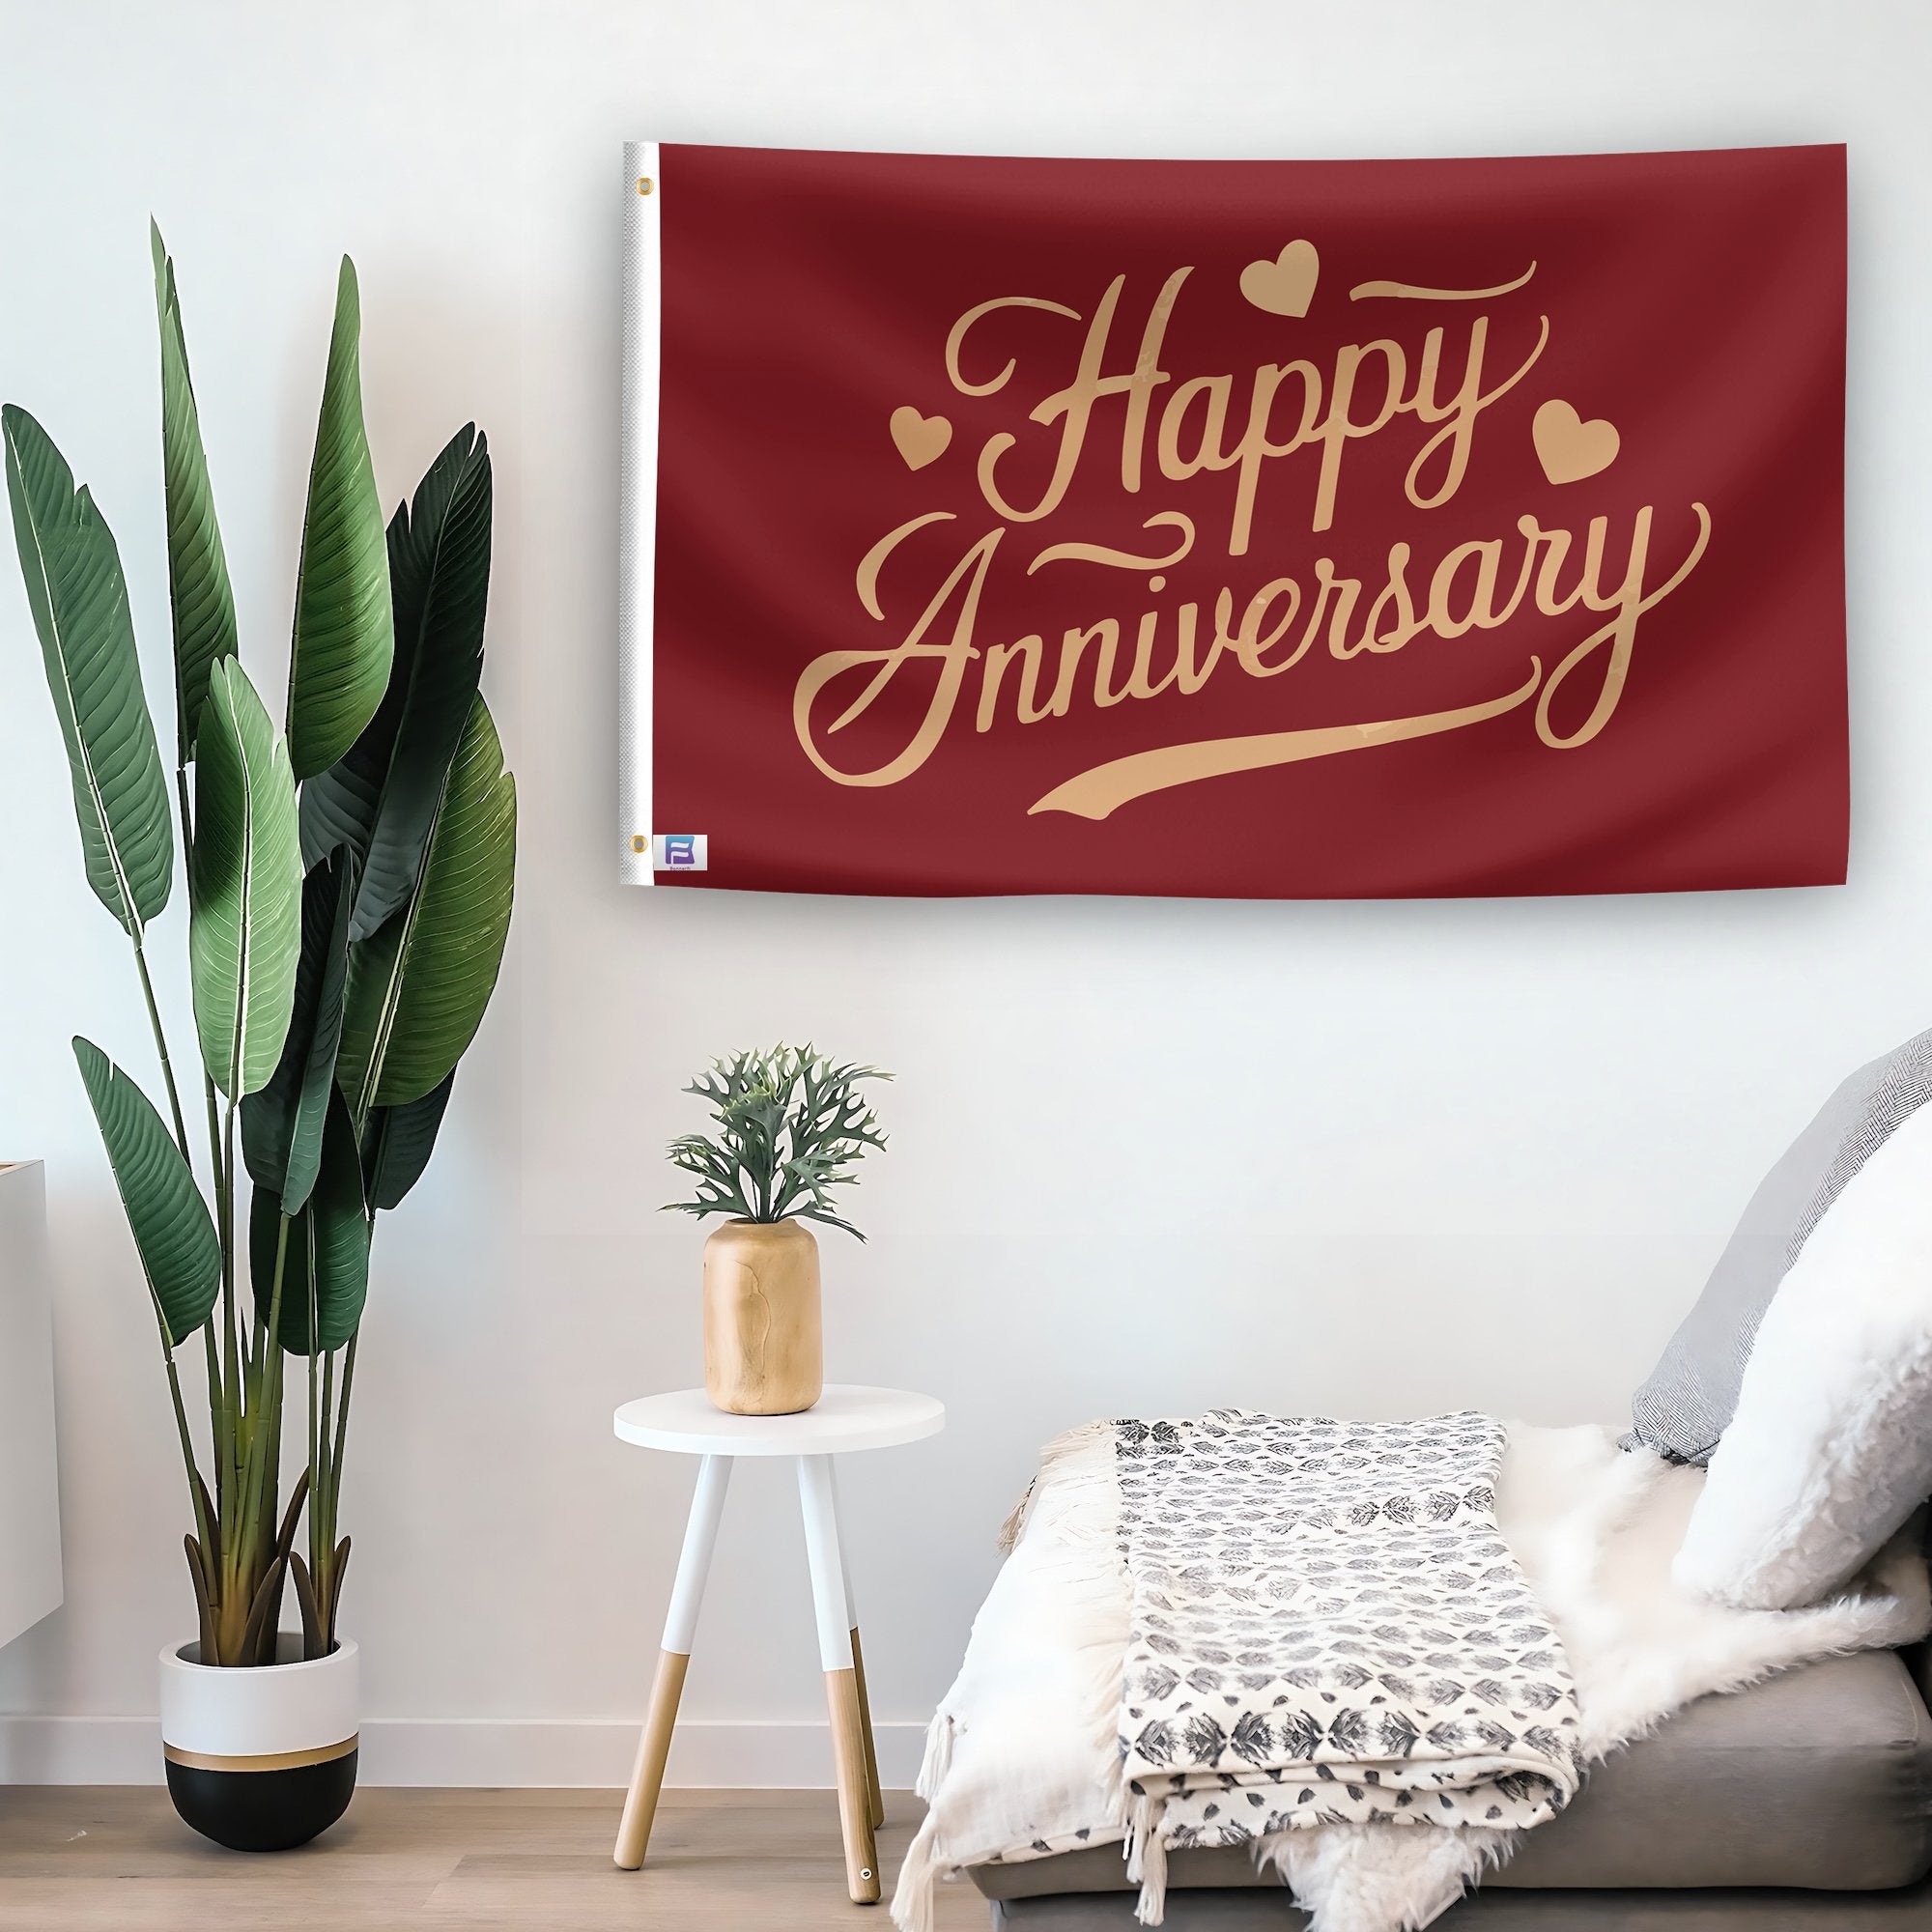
877,1796
694,1564
819,1508
855,1806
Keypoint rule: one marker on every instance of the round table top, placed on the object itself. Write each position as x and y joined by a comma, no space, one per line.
845,1417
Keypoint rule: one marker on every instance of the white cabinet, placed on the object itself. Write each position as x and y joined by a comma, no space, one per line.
30,1559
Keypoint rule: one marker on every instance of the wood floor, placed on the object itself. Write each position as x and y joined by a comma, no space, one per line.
115,1858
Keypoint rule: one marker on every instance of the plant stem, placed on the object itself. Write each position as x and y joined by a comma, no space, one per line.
233,1416
266,1406
243,1568
220,1434
322,1526
341,1423
217,1436
194,1486
322,1520
316,1435
230,1358
161,1047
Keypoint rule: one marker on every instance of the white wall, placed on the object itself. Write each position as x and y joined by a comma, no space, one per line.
1368,1158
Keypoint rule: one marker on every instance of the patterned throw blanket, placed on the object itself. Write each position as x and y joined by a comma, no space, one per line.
1327,1627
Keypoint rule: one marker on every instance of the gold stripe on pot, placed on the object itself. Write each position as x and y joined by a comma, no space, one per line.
268,1761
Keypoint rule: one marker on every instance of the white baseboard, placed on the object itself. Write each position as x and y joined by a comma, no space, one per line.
479,1752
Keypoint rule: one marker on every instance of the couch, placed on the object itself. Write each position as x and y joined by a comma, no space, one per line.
1801,1805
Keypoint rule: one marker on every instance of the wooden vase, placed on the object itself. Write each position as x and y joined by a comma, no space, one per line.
765,1349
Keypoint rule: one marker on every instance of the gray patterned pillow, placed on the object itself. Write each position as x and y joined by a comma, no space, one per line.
1692,1393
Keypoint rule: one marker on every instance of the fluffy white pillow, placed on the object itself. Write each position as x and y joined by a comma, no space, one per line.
1830,1448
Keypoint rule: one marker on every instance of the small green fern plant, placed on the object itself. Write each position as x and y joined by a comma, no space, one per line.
791,1125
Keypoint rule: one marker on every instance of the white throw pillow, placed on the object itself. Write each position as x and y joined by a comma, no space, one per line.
1831,1449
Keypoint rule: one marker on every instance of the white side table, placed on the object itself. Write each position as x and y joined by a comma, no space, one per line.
844,1418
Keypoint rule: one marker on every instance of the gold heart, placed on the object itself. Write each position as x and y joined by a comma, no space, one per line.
1284,286
921,440
1568,447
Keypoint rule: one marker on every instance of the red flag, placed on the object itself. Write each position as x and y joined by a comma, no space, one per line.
1297,529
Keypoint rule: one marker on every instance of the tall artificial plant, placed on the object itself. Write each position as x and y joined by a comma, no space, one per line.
348,884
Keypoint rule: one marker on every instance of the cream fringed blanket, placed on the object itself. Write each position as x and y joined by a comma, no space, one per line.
1024,1756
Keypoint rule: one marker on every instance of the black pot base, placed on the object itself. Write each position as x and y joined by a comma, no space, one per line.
263,1810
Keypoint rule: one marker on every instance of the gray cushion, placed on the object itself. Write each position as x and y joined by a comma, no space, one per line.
1503,1911
1820,1778
1692,1393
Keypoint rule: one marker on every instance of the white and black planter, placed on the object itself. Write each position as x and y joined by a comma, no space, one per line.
261,1760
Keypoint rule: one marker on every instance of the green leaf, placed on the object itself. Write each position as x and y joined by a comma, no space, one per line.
80,601
791,1126
245,882
326,1264
281,1125
381,797
344,636
398,1141
418,987
198,590
173,1232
